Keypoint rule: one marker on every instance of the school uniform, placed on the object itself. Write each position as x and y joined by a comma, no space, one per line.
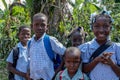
41,65
101,71
22,61
65,76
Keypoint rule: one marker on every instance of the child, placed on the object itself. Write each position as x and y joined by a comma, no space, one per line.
72,63
21,66
41,66
77,36
106,65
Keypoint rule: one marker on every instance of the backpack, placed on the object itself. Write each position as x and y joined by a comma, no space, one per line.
15,58
55,58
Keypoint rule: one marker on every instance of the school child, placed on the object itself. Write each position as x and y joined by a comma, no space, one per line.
72,63
100,56
41,66
17,59
77,36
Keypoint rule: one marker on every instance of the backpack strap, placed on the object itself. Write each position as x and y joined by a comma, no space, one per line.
15,56
61,75
48,47
100,50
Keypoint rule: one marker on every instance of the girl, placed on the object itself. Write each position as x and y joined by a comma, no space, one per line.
77,36
106,65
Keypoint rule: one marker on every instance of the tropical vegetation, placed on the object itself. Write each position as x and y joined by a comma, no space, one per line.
63,16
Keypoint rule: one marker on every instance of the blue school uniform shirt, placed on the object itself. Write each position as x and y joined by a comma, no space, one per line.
101,71
22,61
41,65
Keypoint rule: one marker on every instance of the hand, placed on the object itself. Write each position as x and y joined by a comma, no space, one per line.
27,76
106,58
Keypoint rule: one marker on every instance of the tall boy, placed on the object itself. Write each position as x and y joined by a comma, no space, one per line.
41,66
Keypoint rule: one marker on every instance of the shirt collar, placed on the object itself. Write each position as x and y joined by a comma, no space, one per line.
33,38
20,45
79,73
95,43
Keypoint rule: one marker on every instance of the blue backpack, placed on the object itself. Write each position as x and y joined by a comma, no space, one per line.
54,57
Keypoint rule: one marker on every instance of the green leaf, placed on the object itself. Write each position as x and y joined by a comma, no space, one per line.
93,7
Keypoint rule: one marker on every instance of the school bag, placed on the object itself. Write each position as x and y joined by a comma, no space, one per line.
15,58
55,58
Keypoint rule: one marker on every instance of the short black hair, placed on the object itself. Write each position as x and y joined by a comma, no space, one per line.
40,15
22,27
78,29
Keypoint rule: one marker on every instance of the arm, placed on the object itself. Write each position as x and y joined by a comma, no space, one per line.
57,47
87,67
14,71
108,61
116,69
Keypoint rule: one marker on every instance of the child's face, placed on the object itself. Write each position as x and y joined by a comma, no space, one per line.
77,39
39,26
101,28
24,35
72,63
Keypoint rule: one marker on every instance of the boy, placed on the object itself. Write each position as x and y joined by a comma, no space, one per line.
21,64
41,66
105,66
72,63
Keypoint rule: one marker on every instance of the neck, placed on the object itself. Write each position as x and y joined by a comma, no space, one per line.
101,42
24,44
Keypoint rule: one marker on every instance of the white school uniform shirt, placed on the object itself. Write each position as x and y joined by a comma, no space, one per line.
101,71
41,65
22,61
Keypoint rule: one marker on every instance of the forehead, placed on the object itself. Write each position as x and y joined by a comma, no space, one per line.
102,19
72,54
25,29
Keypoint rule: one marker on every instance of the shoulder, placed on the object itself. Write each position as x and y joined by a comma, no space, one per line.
85,45
53,38
58,75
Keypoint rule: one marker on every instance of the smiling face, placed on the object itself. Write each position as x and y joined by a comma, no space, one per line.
101,29
72,60
24,35
39,25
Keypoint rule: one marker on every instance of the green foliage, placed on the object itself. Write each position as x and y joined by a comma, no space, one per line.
10,20
61,21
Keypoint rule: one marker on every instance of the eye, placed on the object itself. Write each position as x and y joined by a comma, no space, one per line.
37,24
42,24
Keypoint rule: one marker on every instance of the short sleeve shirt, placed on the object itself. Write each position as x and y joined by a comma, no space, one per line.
40,64
101,71
65,76
22,61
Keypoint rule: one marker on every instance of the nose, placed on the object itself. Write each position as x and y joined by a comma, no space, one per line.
101,29
71,64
